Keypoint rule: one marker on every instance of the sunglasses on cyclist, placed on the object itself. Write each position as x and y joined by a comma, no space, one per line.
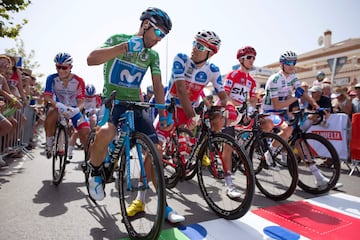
157,31
248,57
200,47
62,67
290,63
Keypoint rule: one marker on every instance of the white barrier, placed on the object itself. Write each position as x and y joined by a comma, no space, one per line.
336,133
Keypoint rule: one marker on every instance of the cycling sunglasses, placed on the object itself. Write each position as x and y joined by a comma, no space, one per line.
157,31
62,67
249,57
200,47
290,63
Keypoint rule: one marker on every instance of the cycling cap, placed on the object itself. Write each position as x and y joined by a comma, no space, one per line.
157,17
320,75
247,50
209,39
63,58
90,90
288,56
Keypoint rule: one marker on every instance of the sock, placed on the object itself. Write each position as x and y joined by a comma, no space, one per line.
228,180
70,150
49,141
315,171
141,194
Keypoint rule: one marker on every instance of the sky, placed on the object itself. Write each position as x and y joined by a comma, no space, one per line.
270,26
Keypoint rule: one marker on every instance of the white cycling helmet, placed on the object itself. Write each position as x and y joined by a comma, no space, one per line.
209,39
288,56
63,58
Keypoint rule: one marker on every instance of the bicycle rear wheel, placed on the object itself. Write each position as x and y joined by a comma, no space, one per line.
279,181
60,154
319,149
147,224
212,183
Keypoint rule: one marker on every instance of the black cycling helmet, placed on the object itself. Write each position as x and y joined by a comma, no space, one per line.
157,17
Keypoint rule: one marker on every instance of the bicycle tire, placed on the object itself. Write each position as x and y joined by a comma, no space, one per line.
320,145
60,154
212,185
277,182
148,224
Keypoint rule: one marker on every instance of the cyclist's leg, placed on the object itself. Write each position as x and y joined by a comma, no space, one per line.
231,191
98,152
72,142
143,124
50,128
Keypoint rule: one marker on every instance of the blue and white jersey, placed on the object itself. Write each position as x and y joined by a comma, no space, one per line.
196,79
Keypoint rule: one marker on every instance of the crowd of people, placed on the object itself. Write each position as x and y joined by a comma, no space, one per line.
126,59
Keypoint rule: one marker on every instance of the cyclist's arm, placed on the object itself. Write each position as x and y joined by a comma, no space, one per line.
224,98
158,92
184,98
102,55
278,105
310,100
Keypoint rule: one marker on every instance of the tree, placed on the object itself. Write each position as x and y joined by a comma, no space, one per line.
7,26
27,59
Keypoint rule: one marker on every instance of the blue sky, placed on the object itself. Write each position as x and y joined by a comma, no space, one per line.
271,26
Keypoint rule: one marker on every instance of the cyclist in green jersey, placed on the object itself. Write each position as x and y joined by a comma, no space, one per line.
126,59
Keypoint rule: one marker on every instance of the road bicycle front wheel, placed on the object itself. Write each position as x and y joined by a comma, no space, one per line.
212,180
315,176
278,180
60,154
148,223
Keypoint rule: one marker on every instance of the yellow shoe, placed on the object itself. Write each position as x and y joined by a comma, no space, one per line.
205,161
135,207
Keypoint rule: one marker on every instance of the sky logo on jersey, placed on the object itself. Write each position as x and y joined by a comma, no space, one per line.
201,77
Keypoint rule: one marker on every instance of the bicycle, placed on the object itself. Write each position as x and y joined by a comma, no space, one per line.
174,162
60,150
211,178
278,178
127,159
311,148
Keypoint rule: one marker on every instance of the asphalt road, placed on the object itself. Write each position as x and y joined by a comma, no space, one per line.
31,207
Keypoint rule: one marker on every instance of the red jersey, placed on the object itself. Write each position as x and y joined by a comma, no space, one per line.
240,86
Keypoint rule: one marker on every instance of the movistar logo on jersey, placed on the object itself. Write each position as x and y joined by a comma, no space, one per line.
201,77
125,74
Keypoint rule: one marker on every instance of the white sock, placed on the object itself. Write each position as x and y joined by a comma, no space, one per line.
315,171
228,180
49,141
70,150
141,194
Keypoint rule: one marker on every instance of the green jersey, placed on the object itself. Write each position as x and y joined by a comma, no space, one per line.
125,72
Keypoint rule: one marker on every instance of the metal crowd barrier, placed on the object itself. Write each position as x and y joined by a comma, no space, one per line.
17,141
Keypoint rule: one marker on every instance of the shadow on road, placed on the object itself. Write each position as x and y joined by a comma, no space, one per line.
57,197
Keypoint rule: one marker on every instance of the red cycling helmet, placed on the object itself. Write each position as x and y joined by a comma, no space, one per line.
247,50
